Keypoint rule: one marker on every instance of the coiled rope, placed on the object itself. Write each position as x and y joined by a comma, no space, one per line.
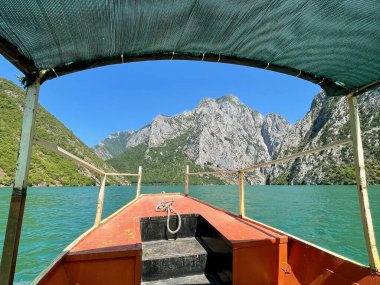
167,206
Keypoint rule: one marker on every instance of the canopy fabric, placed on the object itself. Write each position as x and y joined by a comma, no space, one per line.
334,43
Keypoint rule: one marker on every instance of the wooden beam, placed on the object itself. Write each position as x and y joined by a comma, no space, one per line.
241,195
215,172
297,155
361,182
187,180
138,190
65,153
17,204
99,209
122,174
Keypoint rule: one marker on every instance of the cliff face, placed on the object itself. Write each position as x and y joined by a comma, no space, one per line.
227,134
222,133
328,121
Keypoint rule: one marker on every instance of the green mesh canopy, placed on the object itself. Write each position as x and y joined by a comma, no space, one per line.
335,44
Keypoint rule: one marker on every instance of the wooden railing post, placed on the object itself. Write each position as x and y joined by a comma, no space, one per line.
361,183
17,204
138,190
99,209
241,195
187,181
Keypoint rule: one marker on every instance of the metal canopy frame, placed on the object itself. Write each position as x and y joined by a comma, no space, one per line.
31,73
326,84
28,67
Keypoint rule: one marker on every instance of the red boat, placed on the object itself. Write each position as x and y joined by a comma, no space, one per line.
213,246
176,239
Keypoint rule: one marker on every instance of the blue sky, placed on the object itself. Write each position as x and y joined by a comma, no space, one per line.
101,101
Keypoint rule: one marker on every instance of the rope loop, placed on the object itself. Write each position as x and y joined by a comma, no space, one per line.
167,206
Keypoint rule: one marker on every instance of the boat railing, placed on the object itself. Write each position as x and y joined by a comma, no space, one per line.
62,152
241,172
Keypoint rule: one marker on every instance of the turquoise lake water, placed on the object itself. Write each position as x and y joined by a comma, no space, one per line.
325,215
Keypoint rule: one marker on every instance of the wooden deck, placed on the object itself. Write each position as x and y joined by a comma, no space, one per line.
123,230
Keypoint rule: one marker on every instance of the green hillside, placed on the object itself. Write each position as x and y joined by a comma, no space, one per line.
164,165
47,168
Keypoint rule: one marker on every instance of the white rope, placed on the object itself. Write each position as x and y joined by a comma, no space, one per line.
167,206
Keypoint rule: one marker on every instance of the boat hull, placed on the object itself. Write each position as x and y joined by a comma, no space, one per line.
112,253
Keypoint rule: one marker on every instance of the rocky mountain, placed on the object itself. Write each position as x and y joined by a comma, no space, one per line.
47,168
227,134
326,122
113,145
219,134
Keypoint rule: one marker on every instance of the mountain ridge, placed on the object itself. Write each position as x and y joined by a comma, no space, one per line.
224,133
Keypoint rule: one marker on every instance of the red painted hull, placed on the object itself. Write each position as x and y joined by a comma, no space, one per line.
111,253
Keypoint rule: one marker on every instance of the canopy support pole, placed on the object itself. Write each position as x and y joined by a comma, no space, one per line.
241,195
138,190
17,204
187,180
361,182
99,209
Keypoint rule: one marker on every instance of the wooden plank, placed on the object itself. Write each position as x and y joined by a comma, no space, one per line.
99,209
241,195
58,150
17,204
299,154
215,172
187,180
284,159
361,182
138,190
122,174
